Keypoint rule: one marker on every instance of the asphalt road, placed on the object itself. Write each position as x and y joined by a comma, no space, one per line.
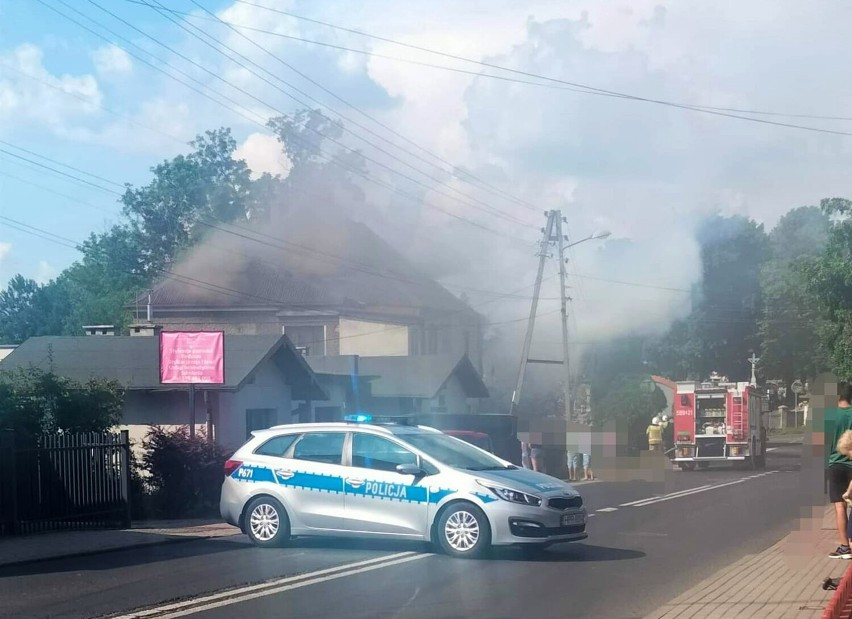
648,542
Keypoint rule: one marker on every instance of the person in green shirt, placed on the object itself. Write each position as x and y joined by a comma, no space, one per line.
837,421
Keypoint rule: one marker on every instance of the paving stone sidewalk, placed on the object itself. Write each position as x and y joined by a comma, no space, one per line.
782,582
45,546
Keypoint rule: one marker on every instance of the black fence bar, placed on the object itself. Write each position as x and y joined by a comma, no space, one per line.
64,481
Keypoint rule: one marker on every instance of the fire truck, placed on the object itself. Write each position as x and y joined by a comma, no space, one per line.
717,421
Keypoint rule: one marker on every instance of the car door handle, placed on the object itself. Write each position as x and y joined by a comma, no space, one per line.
355,483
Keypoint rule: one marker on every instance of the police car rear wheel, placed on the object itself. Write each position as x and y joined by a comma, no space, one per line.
463,531
267,523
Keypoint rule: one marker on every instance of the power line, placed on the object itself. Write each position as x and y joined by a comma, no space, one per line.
554,83
332,160
59,172
348,119
64,241
488,209
58,193
59,163
453,168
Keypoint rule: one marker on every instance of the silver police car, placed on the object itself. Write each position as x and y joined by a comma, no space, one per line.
365,479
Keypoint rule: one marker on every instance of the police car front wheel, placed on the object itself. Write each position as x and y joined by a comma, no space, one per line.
266,522
463,531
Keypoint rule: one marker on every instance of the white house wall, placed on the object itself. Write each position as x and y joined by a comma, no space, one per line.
455,399
372,339
267,391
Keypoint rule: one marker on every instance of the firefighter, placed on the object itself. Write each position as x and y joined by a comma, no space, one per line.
668,434
655,436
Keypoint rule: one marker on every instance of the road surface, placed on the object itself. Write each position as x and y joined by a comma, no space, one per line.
647,543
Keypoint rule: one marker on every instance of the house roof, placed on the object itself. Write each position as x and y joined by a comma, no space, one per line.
134,361
407,377
307,263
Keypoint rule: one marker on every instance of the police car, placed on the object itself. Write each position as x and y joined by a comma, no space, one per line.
363,479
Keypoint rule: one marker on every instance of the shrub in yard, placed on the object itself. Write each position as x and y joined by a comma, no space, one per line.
184,474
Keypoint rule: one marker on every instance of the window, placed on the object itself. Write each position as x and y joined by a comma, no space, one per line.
320,447
375,452
276,446
259,419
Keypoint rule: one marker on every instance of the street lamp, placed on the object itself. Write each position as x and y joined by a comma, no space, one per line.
592,237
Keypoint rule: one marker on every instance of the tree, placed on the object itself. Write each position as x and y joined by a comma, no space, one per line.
629,403
319,177
723,326
33,401
790,319
167,213
112,272
29,309
829,281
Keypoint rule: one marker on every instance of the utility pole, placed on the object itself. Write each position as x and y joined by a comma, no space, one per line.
525,354
563,295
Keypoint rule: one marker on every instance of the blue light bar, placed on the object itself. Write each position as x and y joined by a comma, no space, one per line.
360,418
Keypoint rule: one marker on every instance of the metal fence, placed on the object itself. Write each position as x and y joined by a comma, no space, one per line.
64,481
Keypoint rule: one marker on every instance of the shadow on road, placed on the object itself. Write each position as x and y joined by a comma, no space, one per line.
337,543
570,553
119,558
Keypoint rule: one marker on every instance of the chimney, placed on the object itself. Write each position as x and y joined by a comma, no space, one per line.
99,329
145,328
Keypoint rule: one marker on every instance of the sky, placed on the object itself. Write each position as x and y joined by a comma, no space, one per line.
645,172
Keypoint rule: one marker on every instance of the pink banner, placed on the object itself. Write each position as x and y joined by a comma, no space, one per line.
192,357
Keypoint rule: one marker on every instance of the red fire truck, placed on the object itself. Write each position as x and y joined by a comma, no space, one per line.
719,421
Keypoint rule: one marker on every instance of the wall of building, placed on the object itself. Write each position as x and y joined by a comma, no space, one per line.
451,399
372,339
267,391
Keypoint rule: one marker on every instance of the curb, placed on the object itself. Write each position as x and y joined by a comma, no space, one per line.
840,605
92,553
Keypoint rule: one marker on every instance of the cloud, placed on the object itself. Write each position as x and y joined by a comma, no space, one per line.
45,272
5,249
29,93
111,60
263,153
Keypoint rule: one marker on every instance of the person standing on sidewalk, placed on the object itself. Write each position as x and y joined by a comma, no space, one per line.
839,472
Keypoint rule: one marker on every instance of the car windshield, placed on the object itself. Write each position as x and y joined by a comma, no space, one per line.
454,452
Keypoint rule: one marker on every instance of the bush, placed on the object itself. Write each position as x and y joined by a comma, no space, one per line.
184,475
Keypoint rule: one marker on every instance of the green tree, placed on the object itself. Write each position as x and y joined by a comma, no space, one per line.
29,309
167,213
35,401
791,319
321,173
723,326
829,282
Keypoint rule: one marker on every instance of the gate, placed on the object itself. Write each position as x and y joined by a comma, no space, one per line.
64,481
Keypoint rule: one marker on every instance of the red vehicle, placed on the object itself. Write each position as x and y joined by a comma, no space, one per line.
719,421
477,439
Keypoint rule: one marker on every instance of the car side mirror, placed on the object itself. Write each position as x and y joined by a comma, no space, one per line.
410,469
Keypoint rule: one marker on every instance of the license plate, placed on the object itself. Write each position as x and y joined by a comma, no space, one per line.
569,519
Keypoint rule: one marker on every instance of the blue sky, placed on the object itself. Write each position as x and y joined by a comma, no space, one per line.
647,173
